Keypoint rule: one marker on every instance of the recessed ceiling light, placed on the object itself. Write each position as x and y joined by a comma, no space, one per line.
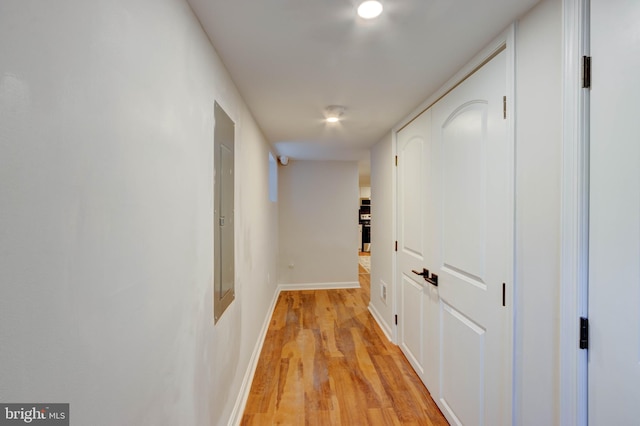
333,113
370,9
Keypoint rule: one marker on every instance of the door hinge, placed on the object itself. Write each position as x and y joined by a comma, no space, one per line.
396,161
504,294
586,72
504,107
396,320
396,249
584,333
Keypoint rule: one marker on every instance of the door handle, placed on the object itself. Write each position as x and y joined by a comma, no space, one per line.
433,280
424,273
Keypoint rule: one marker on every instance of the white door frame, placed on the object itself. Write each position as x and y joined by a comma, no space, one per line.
575,215
506,41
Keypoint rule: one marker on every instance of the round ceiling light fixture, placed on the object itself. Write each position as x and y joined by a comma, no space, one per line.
333,113
370,9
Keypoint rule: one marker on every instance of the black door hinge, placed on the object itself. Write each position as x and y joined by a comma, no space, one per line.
504,294
396,160
586,72
396,249
396,320
584,333
504,107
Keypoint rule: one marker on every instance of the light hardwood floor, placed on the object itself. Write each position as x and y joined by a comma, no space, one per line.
325,361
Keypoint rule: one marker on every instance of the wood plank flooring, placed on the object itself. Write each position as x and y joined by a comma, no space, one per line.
325,361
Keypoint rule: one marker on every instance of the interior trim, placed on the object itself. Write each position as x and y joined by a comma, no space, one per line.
247,380
318,286
575,216
380,321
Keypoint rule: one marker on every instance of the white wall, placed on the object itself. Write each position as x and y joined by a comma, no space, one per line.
382,202
106,133
318,210
538,162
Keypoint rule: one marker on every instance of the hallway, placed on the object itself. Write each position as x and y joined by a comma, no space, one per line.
108,185
326,361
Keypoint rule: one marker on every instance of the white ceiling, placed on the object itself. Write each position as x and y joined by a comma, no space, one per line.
292,58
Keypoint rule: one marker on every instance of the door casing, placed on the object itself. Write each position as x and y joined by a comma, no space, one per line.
574,214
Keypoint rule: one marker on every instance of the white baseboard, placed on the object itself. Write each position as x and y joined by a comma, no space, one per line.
318,286
245,388
382,323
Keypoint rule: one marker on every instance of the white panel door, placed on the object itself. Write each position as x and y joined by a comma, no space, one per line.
416,300
475,169
614,235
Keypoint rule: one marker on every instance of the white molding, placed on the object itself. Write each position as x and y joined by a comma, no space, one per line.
574,219
318,286
394,235
509,39
245,388
381,322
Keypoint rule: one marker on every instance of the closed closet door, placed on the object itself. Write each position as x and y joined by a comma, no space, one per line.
474,266
412,145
